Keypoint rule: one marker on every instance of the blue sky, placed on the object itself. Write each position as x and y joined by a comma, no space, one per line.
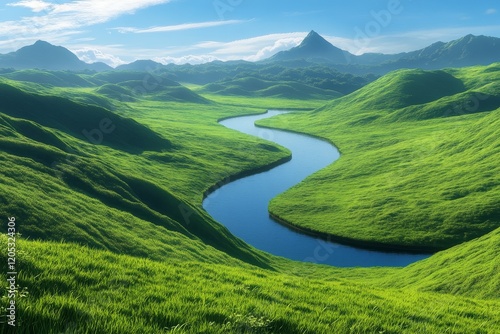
197,31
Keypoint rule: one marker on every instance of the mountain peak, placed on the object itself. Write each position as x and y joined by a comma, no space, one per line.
42,43
316,41
44,55
314,47
313,34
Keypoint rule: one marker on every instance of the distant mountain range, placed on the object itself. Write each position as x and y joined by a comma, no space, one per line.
43,55
467,51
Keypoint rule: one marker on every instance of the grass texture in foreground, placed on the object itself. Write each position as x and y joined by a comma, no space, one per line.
72,288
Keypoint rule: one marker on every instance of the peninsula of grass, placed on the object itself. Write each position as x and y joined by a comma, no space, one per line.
419,166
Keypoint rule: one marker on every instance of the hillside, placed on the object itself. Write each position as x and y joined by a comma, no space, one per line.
254,87
410,177
92,291
471,269
108,88
113,238
47,78
95,124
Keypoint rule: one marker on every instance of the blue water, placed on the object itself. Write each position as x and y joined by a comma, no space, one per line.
242,205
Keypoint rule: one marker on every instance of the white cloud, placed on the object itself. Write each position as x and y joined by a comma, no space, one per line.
35,5
491,11
98,11
71,16
178,27
16,42
92,55
279,45
251,47
189,59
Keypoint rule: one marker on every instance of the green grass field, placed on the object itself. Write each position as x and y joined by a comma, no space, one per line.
419,166
113,238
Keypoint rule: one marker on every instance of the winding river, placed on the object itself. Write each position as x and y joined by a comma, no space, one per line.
242,205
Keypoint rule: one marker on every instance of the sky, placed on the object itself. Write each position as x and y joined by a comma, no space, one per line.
197,31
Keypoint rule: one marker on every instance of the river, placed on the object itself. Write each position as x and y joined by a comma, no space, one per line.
242,205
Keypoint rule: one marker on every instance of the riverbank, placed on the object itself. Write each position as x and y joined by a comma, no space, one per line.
241,204
364,244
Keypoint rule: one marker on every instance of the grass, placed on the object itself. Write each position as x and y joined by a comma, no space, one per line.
254,87
114,240
461,270
73,288
419,161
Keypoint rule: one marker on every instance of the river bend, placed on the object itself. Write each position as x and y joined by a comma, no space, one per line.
242,205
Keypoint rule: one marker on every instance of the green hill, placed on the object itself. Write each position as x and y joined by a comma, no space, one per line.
471,269
91,123
116,92
407,178
42,144
136,77
253,87
179,94
406,88
113,238
128,86
51,78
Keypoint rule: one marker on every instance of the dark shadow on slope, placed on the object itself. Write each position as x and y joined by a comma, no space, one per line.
90,123
52,78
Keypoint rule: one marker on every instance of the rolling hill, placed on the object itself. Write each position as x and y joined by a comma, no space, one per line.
409,166
471,270
49,78
254,87
131,85
113,238
95,124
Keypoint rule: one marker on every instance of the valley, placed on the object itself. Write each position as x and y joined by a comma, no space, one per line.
106,172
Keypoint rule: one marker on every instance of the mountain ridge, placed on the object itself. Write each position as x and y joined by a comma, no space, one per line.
469,50
43,55
314,49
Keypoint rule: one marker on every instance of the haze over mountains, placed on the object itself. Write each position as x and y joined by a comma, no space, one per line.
467,51
43,55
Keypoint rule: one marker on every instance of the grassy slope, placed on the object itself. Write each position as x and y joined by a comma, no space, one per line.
253,87
50,177
75,288
419,168
471,269
168,277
